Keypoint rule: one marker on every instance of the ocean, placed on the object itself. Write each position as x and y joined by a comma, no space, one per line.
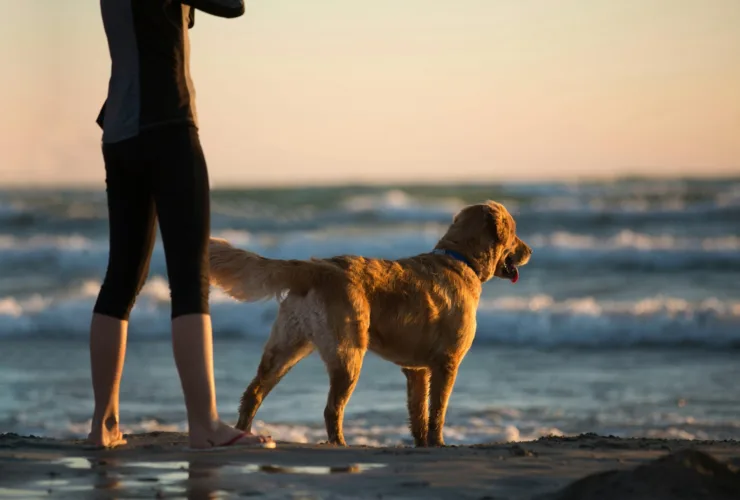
625,322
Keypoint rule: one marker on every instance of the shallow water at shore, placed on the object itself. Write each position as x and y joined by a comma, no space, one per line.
502,393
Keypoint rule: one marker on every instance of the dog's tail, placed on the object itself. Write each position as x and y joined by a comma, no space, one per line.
249,277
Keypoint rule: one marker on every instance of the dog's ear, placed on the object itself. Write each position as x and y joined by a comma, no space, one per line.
457,215
479,211
498,221
490,217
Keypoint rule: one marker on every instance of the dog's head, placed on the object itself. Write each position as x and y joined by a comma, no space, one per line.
485,234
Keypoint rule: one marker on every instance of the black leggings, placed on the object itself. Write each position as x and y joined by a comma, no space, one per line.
160,173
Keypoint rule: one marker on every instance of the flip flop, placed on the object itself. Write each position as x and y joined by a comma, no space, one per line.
231,442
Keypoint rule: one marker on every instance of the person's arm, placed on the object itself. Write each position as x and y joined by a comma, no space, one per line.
101,116
221,8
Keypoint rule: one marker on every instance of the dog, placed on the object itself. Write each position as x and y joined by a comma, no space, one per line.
417,312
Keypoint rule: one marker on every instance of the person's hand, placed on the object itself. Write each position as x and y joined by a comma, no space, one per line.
221,8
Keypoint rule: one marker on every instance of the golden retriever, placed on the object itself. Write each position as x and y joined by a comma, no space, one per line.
417,312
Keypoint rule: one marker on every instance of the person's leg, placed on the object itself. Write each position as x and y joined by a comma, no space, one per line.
182,198
132,224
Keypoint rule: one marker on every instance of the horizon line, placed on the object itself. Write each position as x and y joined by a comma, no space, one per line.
226,185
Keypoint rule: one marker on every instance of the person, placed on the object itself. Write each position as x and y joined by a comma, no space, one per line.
155,169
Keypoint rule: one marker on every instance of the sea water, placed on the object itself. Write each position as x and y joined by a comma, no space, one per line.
625,322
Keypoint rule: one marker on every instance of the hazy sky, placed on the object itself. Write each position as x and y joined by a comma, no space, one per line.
349,90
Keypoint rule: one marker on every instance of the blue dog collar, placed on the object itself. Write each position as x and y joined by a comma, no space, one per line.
454,255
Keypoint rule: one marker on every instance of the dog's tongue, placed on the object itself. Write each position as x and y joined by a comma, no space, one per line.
515,278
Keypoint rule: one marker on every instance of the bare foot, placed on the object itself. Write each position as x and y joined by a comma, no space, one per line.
226,435
106,436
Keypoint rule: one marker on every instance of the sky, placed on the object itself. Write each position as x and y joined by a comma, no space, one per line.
334,91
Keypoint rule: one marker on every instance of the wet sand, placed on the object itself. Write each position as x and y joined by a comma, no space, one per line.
157,465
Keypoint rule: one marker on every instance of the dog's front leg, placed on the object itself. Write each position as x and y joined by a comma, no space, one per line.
442,381
417,392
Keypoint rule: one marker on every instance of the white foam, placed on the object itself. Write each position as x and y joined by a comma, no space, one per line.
357,432
534,320
592,307
627,239
78,255
396,203
465,431
730,198
541,320
73,242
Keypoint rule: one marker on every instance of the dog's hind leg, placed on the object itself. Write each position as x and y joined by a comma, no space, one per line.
344,367
417,389
340,333
342,352
283,350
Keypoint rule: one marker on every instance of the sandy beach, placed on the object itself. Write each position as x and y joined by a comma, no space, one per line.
594,334
157,465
